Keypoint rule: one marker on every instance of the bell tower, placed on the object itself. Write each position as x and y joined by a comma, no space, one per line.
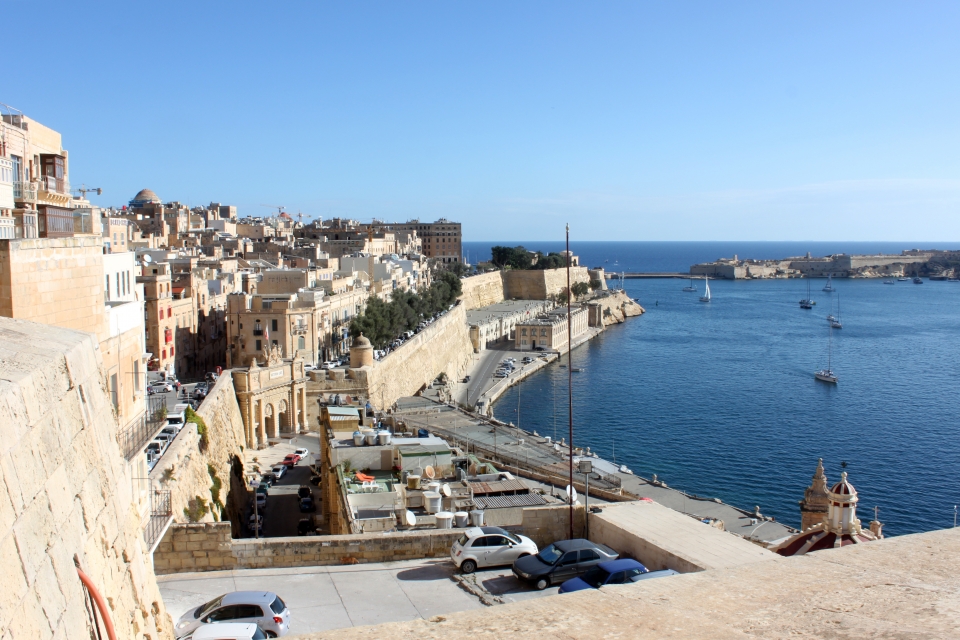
813,507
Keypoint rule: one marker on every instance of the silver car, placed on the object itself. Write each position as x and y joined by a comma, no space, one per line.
263,608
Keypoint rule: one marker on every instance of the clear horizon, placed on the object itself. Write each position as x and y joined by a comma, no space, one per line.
679,122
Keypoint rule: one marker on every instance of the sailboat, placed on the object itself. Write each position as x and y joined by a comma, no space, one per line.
691,287
706,290
835,323
807,303
827,375
829,286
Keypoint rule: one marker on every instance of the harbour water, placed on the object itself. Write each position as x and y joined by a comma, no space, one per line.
719,398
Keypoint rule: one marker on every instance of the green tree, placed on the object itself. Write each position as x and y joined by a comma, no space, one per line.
580,289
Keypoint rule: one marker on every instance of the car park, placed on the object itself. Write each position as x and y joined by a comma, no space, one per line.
561,561
622,571
278,470
262,608
489,547
227,631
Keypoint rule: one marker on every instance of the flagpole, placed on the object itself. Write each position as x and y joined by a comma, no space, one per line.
570,379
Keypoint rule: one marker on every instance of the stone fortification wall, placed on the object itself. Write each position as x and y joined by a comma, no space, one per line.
209,547
444,346
540,284
482,290
66,493
616,307
185,469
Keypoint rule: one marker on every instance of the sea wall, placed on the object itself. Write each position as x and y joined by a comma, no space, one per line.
616,307
482,290
538,284
67,494
189,466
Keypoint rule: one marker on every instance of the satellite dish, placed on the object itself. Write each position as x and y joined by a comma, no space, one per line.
445,490
573,498
429,472
147,259
410,519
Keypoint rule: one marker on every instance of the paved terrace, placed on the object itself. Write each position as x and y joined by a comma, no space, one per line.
502,443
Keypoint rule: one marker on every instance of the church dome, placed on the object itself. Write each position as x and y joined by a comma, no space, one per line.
145,196
843,488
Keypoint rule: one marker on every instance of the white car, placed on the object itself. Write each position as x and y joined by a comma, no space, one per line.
489,547
303,453
228,631
261,608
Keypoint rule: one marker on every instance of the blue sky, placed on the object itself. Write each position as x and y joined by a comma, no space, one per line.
629,120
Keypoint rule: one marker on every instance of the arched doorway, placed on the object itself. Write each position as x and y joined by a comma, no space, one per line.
270,421
283,416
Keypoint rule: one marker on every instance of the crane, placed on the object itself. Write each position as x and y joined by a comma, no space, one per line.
278,207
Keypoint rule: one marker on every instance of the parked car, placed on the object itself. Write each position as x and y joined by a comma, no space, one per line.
662,573
623,571
255,523
561,561
262,608
227,631
304,491
306,527
169,431
308,367
261,498
306,505
263,488
278,470
268,479
302,452
539,348
291,460
159,387
489,547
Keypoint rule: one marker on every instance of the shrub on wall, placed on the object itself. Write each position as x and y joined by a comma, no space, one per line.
201,427
195,510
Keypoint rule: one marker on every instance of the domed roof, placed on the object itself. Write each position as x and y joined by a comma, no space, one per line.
843,488
144,196
361,341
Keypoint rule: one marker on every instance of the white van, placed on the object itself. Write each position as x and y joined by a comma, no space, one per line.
178,417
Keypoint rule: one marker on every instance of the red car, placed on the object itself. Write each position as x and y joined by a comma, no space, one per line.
291,460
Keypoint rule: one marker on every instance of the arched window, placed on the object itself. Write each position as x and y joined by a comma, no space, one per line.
301,344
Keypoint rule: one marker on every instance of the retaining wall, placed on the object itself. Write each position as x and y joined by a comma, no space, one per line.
482,290
540,284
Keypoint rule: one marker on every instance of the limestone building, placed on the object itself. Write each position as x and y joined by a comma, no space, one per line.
549,330
272,398
442,239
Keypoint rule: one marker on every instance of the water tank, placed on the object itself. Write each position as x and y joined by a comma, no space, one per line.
371,438
383,437
461,519
413,481
433,486
357,438
423,433
444,520
431,501
476,518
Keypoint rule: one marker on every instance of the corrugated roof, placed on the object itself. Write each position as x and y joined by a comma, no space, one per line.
503,502
498,486
343,411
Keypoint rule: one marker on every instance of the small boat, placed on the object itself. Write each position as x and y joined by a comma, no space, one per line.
953,279
578,369
829,286
691,287
807,303
706,290
917,281
902,279
831,318
827,375
835,323
888,282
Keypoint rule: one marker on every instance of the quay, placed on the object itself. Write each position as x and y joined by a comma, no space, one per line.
544,460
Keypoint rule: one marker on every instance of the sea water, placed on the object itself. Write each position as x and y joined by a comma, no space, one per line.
719,398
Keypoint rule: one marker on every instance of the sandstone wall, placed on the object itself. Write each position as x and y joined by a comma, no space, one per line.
444,346
540,284
66,494
482,290
616,307
185,468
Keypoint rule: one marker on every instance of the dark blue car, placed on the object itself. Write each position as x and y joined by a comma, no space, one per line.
622,571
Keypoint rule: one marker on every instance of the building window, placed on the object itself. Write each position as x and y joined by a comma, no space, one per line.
107,289
301,344
163,354
523,332
259,345
169,312
273,325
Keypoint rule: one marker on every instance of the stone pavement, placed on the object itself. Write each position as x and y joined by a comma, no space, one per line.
327,598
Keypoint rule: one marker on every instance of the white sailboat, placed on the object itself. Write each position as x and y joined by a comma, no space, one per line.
835,322
691,287
706,290
827,375
829,286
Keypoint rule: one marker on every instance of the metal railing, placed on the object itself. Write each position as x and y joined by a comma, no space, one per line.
161,514
142,430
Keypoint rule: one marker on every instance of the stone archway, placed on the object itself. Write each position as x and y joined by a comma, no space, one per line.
283,417
270,421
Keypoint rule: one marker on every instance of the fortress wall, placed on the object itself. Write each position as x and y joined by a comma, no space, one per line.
444,346
482,290
189,476
66,492
540,284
